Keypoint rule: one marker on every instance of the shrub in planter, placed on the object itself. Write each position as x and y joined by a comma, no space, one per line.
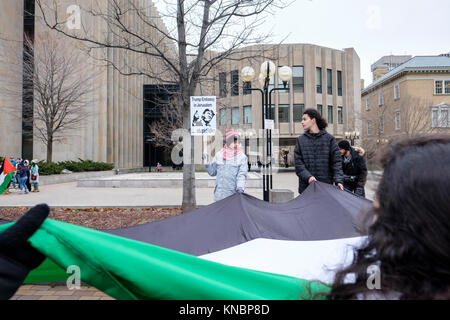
47,168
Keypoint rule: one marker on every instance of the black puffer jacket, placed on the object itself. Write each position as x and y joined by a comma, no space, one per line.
317,154
355,168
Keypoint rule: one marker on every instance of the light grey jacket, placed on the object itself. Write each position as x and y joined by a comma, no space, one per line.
231,175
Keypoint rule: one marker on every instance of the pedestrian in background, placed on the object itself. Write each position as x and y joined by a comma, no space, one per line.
27,166
316,153
23,177
354,168
230,166
35,175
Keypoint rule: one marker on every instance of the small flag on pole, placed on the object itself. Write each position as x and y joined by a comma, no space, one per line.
6,174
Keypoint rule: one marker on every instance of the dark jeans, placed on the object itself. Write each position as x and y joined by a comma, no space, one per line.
353,189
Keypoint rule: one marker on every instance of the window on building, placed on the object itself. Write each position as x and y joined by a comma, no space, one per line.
247,114
234,83
397,91
438,87
367,104
369,127
319,108
235,116
382,124
339,83
318,80
298,80
246,88
330,114
222,84
329,81
223,117
380,98
340,115
440,116
442,87
298,112
283,113
397,120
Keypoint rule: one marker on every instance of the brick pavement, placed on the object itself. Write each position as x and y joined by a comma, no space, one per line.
58,292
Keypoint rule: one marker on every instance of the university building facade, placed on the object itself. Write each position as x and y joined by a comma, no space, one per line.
322,78
117,131
411,99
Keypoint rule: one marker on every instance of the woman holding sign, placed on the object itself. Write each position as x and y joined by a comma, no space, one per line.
229,166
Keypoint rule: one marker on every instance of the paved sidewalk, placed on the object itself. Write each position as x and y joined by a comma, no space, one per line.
69,195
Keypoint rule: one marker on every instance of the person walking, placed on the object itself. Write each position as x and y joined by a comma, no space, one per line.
316,153
35,175
354,168
27,166
230,166
23,177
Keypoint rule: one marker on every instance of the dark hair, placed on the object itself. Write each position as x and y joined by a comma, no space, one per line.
344,144
410,238
314,114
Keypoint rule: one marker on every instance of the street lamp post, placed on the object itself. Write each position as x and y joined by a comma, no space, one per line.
267,70
352,136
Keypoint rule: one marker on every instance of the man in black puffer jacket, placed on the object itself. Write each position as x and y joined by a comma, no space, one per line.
316,153
354,168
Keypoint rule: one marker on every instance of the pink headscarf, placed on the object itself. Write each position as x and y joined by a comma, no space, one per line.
227,152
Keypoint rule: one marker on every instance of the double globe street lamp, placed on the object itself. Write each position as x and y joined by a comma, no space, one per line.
266,72
352,136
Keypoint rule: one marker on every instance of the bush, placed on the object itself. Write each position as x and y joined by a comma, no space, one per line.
48,168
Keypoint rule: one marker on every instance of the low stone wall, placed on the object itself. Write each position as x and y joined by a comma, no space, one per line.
73,177
159,180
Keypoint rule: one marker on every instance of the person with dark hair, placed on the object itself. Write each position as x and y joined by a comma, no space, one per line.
230,166
354,168
17,256
409,239
23,177
316,153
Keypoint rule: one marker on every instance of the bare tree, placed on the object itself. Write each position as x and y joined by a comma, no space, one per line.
57,91
197,36
406,117
415,116
171,120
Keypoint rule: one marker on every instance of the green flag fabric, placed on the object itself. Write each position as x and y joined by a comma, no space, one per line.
130,270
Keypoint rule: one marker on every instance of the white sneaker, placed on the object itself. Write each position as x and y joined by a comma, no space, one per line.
26,191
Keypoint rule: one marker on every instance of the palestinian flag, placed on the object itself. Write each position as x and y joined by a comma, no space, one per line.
6,175
240,248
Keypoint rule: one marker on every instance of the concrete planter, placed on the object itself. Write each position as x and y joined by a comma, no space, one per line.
72,177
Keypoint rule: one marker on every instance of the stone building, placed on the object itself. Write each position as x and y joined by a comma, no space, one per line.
413,98
115,130
122,106
323,78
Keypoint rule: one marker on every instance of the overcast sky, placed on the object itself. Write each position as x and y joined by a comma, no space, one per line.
375,28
